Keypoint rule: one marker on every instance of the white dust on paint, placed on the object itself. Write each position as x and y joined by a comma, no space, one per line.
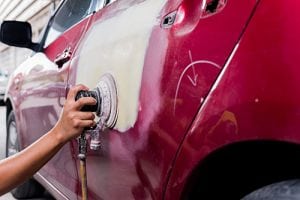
118,46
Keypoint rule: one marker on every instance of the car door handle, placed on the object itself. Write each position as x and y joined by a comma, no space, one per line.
210,7
17,83
64,57
207,8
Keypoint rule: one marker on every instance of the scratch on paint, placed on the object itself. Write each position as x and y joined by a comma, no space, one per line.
193,80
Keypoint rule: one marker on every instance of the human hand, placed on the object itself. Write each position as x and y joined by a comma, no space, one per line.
72,121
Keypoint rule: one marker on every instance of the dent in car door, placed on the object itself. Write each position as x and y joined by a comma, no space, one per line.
43,89
163,75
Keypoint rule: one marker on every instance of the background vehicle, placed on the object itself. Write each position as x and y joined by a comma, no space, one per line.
3,84
207,96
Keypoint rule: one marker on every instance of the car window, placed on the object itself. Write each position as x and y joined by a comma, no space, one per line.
69,13
110,1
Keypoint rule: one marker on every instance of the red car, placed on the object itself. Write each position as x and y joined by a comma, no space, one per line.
205,103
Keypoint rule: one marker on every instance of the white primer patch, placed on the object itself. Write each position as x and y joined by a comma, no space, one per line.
118,46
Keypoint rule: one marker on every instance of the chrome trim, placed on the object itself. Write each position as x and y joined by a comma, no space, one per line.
99,6
49,187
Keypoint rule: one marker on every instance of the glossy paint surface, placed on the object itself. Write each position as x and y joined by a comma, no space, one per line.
255,97
206,81
37,91
180,65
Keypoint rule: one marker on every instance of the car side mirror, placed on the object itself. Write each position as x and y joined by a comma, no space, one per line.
18,34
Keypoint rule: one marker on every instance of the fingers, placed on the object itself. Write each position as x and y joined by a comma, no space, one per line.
85,101
87,123
72,120
84,123
74,90
85,116
81,119
82,101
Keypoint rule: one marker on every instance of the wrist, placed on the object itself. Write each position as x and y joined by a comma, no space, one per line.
58,135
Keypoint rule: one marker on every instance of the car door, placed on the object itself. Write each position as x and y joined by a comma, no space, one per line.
41,85
164,57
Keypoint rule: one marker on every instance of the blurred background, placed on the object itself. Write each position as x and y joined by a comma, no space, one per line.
37,12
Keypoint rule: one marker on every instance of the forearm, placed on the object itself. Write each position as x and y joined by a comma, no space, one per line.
18,168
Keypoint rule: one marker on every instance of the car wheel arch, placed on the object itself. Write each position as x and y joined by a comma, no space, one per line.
9,107
237,169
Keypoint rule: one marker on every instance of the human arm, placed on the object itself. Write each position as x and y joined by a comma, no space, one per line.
18,168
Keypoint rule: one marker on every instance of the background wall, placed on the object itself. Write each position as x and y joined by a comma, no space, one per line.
36,12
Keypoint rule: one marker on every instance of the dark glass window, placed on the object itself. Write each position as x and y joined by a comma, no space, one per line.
70,13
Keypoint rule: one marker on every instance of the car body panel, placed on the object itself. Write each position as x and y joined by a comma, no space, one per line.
255,97
166,122
162,75
37,91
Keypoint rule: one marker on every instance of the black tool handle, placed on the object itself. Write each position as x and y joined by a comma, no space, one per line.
88,108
